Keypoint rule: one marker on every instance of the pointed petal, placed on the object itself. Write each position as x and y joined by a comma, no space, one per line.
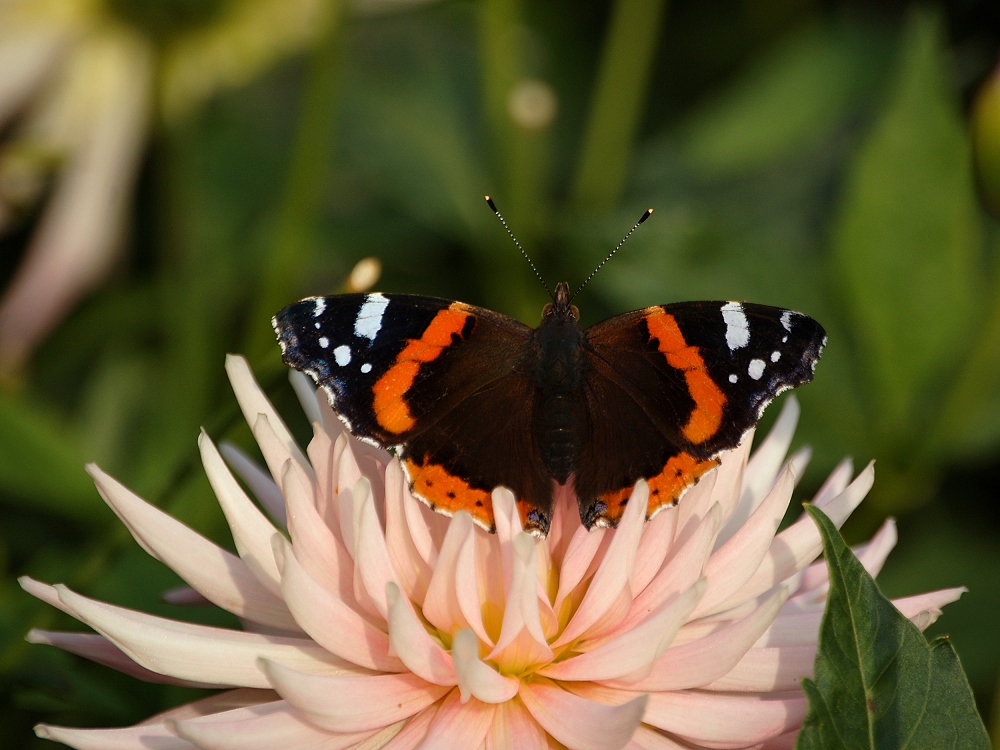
218,575
475,678
522,642
580,723
194,652
252,532
699,662
441,606
764,464
264,727
724,721
363,703
412,571
514,727
630,656
684,565
127,738
580,551
458,724
768,670
254,404
732,564
657,537
99,649
328,620
799,544
261,484
372,560
614,576
413,645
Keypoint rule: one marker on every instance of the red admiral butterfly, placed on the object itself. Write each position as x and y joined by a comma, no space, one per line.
470,399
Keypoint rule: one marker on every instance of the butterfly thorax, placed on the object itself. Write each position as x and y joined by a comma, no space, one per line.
559,411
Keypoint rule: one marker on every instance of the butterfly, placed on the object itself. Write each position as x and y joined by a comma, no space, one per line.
470,399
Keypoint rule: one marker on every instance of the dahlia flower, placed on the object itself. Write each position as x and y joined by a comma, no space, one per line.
370,621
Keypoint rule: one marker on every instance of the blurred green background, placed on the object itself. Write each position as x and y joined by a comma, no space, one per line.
840,158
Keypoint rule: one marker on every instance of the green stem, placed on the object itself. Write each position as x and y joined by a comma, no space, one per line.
617,106
307,177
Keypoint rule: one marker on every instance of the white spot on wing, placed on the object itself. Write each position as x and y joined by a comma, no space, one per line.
775,355
343,355
324,342
317,325
756,368
318,307
737,328
366,368
369,320
786,320
733,378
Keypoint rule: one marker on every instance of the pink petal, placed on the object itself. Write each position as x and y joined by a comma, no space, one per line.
477,584
254,404
657,537
522,642
305,392
475,678
261,484
355,703
767,670
219,576
316,547
580,723
872,557
252,532
576,563
412,571
514,727
732,564
99,649
458,724
611,585
800,543
700,662
263,727
764,464
127,738
630,656
441,605
413,732
373,562
647,738
414,646
328,620
723,721
194,652
684,565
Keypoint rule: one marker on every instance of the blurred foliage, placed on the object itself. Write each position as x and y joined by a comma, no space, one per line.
815,156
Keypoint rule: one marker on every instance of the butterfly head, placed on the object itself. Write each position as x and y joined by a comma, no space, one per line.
560,308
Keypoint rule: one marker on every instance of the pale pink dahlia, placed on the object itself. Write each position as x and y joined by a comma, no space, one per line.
370,621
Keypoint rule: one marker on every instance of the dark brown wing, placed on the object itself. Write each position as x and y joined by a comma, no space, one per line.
670,387
435,380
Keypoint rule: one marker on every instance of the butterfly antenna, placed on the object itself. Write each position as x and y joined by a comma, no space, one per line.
642,218
493,205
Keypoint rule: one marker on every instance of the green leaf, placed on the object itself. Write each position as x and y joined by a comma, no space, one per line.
794,97
879,684
908,240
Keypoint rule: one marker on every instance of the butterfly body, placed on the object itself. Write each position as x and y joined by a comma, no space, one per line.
470,399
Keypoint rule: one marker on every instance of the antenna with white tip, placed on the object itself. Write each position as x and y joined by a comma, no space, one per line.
504,222
642,218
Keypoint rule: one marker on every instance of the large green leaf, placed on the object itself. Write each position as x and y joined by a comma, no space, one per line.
906,246
878,683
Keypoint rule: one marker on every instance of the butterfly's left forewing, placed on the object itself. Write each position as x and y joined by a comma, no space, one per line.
692,378
435,380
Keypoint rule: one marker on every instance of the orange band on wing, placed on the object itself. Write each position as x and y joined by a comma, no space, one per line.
679,473
446,493
391,409
708,398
